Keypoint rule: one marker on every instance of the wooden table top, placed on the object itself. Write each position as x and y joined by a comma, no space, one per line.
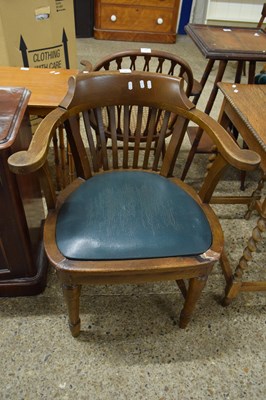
249,102
231,43
48,86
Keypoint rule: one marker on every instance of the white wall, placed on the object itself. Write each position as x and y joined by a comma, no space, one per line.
242,12
199,11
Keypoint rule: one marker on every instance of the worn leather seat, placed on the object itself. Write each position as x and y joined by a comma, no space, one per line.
130,215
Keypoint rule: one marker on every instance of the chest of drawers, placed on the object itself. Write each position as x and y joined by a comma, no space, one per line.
135,20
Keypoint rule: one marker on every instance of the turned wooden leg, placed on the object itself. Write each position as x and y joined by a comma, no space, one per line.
226,267
195,288
71,295
231,291
234,287
256,196
182,286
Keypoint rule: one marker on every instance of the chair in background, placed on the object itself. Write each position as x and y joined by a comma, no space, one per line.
123,220
152,61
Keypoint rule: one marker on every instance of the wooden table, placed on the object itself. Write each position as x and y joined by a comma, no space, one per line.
244,106
48,86
223,44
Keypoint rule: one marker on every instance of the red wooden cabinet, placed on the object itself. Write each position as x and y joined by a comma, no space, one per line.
22,264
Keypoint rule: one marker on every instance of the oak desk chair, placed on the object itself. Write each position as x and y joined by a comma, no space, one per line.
122,220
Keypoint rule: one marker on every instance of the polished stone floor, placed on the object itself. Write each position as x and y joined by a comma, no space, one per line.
131,346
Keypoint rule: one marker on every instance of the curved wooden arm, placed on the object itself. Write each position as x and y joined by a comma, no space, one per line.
25,162
87,64
242,159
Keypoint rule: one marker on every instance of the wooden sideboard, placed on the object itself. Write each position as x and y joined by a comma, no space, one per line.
23,266
135,20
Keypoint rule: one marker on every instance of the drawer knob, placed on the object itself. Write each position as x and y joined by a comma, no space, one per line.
113,18
159,21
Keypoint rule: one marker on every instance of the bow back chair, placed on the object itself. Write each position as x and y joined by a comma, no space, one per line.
151,61
122,220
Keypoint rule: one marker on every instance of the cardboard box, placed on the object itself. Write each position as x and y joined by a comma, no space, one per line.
37,33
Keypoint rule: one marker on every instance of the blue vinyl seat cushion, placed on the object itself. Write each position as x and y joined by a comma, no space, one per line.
260,79
131,215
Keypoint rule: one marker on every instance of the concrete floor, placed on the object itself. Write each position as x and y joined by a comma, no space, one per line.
130,346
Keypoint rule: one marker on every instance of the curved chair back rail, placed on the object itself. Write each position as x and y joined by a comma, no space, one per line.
152,61
157,61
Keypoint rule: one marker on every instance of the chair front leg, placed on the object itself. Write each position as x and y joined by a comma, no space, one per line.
195,288
72,295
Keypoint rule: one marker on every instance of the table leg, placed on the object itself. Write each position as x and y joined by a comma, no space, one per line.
239,71
255,203
204,79
208,108
251,71
251,78
236,284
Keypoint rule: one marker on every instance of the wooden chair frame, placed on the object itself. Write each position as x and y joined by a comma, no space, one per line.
91,93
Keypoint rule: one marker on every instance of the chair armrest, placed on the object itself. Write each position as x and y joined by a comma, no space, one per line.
31,160
87,64
242,159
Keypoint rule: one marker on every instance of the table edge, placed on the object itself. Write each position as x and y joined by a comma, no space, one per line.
244,119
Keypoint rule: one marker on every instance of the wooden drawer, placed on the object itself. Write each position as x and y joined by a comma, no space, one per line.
137,18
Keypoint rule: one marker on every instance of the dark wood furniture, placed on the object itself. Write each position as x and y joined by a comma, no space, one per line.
22,267
146,59
22,262
122,220
84,18
134,20
244,106
153,61
223,44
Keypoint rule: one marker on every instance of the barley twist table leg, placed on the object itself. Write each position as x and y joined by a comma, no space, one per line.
234,286
256,195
